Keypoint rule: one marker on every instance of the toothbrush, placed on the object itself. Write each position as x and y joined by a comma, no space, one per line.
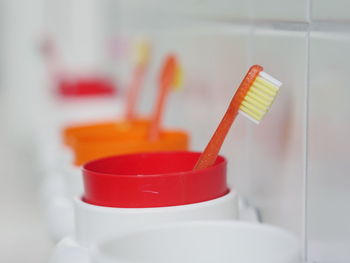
170,77
252,99
142,55
49,50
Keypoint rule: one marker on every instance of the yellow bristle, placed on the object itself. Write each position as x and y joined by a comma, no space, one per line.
251,114
178,78
266,84
261,94
259,99
263,88
142,52
253,108
256,103
255,97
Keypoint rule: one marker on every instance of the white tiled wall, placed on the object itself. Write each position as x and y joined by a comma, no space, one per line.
328,177
293,166
330,11
281,10
78,29
277,144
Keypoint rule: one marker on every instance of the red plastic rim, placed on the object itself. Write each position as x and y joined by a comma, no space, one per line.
92,86
152,180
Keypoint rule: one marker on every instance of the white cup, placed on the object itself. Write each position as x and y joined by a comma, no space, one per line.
59,188
62,180
96,224
202,242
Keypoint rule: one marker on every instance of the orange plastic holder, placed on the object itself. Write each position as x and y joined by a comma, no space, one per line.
103,130
90,148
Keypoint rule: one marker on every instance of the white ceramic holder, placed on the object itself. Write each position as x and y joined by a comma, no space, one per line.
65,112
95,224
59,188
202,242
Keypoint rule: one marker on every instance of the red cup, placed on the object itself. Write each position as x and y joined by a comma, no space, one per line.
86,86
152,180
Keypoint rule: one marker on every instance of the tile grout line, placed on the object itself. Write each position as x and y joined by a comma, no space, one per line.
306,136
250,61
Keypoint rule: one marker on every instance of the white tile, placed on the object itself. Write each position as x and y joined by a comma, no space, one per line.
202,9
329,149
335,10
230,10
77,29
281,10
221,10
277,151
213,60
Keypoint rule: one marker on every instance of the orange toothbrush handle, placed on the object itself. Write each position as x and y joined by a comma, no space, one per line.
157,116
133,92
165,82
210,153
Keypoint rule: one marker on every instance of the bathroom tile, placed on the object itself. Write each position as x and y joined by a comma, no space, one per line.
281,10
226,10
198,9
328,213
276,151
213,61
335,10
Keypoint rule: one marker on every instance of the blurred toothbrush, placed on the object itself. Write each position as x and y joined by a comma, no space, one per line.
142,56
252,99
51,54
170,77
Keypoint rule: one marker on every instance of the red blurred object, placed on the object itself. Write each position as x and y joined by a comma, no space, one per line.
152,180
86,87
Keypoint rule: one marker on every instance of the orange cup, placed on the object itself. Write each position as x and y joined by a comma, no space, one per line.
103,130
87,148
94,141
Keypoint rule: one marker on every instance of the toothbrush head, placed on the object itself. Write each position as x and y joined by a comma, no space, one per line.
258,91
47,46
169,76
178,78
142,51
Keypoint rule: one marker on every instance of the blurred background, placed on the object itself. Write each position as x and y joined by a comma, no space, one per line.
293,167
